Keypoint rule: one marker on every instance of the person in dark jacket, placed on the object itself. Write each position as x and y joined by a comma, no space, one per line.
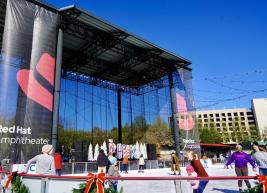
241,160
102,162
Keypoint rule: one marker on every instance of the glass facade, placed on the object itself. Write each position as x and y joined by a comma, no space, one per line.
90,113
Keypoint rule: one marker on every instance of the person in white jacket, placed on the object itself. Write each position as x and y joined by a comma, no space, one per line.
141,164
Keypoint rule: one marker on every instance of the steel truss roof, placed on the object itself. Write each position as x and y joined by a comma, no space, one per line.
108,55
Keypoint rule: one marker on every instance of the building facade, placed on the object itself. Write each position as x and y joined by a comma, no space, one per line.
259,107
68,76
234,124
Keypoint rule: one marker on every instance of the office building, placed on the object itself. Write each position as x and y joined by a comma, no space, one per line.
234,124
259,107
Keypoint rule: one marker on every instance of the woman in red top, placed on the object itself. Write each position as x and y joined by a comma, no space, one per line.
58,163
201,172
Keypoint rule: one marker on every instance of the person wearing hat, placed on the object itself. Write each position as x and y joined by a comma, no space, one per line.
260,157
113,171
44,162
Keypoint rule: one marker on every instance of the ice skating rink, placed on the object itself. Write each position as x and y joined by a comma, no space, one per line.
163,186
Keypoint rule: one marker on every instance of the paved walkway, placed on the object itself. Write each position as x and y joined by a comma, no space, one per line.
229,186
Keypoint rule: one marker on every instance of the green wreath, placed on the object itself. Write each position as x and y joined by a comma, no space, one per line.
17,186
256,189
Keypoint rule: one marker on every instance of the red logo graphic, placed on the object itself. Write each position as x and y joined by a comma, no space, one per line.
32,88
185,120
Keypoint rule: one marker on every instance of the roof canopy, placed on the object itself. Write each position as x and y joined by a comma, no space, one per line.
103,51
97,49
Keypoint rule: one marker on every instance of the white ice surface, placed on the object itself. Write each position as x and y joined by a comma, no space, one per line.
163,186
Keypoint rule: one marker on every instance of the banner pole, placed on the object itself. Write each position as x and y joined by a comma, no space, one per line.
174,124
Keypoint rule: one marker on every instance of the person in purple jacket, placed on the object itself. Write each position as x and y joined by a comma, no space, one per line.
241,160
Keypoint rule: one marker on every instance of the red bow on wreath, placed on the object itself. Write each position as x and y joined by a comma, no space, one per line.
100,178
263,180
9,178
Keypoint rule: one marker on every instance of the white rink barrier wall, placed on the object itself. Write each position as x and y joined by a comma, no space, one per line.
159,184
51,185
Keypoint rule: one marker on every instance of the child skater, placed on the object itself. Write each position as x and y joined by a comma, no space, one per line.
191,172
114,172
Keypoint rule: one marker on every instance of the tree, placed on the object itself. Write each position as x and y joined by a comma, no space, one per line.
68,137
237,129
209,134
113,134
139,128
127,134
159,133
254,134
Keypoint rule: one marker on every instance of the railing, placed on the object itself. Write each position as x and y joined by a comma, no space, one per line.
142,184
85,167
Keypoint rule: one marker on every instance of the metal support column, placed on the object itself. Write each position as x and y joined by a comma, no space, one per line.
174,112
57,86
119,116
131,120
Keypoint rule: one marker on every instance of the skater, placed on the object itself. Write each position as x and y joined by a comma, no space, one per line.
44,162
191,172
214,159
112,158
141,164
175,164
260,157
222,158
114,172
205,160
125,162
198,168
241,160
58,162
102,162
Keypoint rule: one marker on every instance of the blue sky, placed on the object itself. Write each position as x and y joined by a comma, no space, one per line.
225,39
